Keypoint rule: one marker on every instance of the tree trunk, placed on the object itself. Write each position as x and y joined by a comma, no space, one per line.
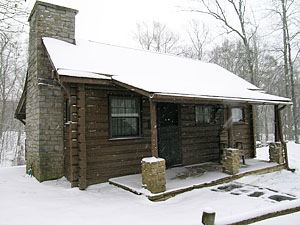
289,75
286,70
2,117
266,126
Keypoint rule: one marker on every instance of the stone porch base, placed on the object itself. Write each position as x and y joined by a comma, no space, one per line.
133,183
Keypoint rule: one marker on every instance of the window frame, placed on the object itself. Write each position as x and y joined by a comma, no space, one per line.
110,117
243,120
212,115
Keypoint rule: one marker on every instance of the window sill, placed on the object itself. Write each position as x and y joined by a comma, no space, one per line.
205,124
125,138
239,123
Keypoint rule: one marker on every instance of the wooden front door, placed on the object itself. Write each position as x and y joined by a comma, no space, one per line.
168,133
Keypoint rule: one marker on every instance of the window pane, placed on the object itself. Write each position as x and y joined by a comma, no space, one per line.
124,107
124,126
237,115
203,114
124,117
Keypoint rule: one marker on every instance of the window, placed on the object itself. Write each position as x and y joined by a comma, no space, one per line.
124,116
204,114
238,115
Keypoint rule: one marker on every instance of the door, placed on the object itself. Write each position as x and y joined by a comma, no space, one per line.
168,133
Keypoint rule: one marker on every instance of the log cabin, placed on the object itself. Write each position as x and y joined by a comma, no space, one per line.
93,111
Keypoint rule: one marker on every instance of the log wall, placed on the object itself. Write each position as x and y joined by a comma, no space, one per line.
106,157
199,143
243,132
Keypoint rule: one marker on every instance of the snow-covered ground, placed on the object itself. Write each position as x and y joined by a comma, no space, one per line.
23,200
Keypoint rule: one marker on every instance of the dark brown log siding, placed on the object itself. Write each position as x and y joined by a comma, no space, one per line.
200,143
108,158
243,133
71,136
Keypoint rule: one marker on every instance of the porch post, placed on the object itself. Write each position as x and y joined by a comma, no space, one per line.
276,118
280,131
153,121
230,127
253,126
279,134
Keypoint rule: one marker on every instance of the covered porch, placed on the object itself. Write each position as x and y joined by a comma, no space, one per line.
187,178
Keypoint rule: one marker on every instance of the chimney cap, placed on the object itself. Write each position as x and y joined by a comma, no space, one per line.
47,4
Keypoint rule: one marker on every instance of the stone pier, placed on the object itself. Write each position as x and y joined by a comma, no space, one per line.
154,174
276,152
231,161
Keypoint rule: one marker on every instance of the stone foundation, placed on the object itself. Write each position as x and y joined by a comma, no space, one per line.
154,174
231,161
276,152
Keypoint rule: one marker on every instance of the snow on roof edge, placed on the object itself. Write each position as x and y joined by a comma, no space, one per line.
82,74
284,101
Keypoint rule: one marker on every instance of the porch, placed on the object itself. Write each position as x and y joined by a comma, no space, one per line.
187,178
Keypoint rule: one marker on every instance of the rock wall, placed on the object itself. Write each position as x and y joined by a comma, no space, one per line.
44,100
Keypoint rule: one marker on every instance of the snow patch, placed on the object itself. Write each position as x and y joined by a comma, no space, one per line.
152,160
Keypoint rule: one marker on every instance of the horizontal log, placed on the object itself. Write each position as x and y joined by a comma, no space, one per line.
112,165
114,151
117,157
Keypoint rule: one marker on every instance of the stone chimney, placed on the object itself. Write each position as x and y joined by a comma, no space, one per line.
44,100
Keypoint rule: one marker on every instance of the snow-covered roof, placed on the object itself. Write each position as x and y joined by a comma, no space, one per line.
155,73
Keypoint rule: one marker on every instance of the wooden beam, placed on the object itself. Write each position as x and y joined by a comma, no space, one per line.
81,137
230,127
253,127
84,80
132,88
280,131
276,123
153,120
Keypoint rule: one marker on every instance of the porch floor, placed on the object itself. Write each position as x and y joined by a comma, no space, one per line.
187,178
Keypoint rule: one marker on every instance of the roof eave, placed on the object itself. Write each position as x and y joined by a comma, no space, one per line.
217,99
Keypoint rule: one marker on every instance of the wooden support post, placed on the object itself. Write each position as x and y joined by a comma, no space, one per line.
208,216
280,131
81,137
230,127
276,123
253,127
279,135
153,121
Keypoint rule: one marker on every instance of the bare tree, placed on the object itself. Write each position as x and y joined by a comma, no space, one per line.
288,55
157,37
13,15
231,55
288,13
12,68
198,34
244,30
12,71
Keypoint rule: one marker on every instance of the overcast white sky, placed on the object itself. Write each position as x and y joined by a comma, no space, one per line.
114,21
